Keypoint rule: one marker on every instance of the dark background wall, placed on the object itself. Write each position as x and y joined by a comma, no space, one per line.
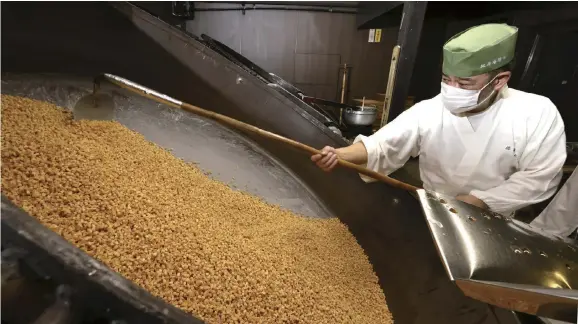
546,52
307,48
304,48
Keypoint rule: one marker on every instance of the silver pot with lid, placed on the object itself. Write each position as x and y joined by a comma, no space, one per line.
360,116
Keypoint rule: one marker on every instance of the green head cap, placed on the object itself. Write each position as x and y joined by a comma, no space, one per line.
479,50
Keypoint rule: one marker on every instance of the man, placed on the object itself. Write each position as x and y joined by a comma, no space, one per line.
491,146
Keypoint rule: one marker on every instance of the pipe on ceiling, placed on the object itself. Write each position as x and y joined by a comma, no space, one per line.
259,6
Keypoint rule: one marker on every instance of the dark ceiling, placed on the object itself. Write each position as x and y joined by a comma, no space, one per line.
345,4
382,14
369,14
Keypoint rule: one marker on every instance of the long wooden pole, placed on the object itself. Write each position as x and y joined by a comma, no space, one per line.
159,97
263,133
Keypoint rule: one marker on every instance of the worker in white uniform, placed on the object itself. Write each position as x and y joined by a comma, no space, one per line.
489,145
560,217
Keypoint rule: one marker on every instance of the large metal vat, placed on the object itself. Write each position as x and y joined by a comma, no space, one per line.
77,41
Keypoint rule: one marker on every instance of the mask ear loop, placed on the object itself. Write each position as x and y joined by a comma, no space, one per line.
479,104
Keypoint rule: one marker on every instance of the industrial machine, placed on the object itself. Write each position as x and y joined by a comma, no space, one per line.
353,120
51,51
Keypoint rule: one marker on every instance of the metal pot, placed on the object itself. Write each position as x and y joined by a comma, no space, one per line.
362,116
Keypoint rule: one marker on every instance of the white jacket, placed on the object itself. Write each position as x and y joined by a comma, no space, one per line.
510,156
560,217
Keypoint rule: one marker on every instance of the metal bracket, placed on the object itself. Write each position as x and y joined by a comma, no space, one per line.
183,9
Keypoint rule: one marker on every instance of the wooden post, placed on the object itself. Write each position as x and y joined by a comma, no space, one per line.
390,85
408,40
343,85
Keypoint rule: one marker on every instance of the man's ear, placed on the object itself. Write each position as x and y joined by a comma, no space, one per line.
501,80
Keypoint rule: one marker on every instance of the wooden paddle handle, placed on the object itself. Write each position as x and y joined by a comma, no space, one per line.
255,130
162,98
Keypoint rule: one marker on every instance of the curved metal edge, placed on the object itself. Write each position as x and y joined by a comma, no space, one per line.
23,231
237,57
422,197
132,11
558,304
270,79
478,244
302,104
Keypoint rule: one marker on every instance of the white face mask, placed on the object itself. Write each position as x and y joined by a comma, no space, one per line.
458,100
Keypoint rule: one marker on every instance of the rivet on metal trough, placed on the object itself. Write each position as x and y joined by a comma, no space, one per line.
240,80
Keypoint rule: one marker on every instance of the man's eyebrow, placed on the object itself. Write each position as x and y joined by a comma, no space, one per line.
459,79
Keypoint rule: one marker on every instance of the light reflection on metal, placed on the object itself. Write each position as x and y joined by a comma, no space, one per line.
552,284
479,249
466,239
561,278
135,87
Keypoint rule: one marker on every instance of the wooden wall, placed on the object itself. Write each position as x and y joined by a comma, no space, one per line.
304,48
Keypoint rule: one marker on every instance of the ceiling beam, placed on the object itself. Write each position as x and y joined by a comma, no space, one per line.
368,11
408,39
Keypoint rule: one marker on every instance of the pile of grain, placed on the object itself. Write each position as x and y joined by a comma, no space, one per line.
220,254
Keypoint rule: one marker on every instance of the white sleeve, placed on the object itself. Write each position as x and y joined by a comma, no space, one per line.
561,215
540,166
391,146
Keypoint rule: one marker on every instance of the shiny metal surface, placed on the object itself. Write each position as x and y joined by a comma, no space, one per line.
496,259
144,91
318,114
224,154
362,117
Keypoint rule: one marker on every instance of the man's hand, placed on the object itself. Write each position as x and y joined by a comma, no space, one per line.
469,199
327,160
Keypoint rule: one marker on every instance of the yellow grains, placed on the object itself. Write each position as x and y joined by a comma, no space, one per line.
220,254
